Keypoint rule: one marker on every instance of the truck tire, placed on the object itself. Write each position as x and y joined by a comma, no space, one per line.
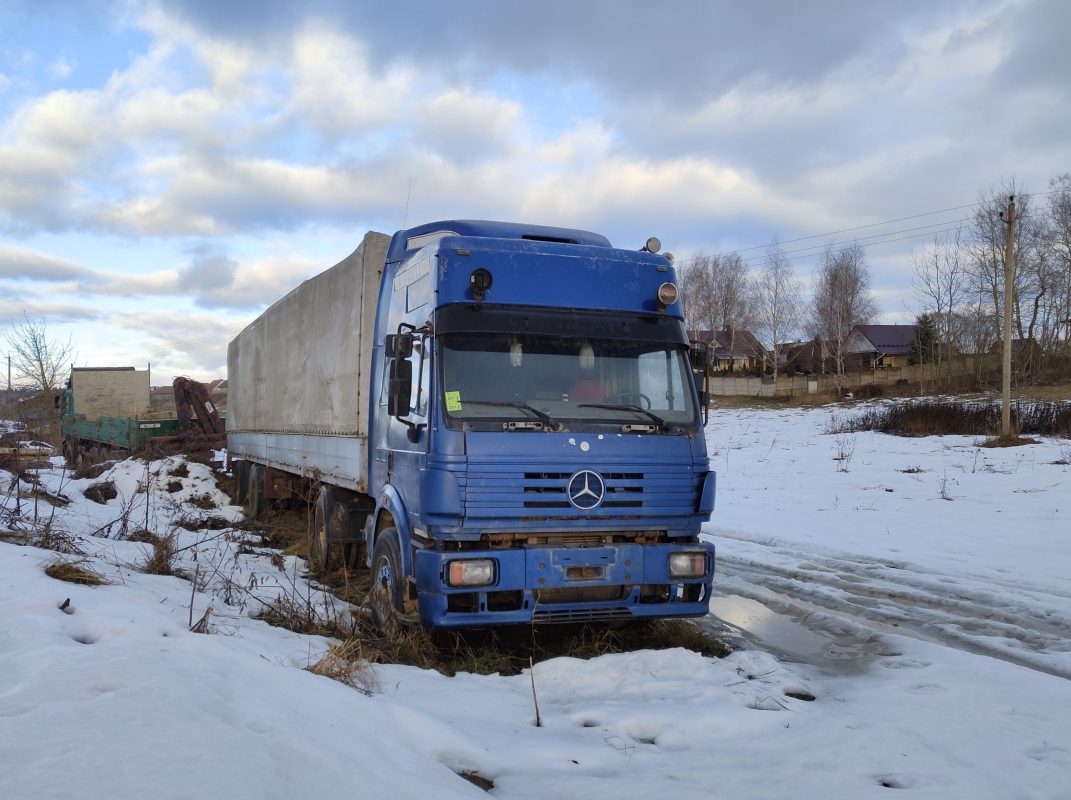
386,598
257,502
241,481
323,553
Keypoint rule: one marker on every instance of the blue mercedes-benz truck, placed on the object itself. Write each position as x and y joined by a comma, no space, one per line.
502,421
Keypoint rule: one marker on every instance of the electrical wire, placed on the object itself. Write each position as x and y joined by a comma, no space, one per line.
818,248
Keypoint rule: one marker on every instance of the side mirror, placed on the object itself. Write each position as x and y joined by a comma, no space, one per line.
700,359
401,385
704,399
399,345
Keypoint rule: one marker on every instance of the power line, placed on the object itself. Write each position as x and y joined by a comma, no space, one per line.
818,248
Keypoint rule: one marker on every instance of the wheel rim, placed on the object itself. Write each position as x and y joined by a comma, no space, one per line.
385,577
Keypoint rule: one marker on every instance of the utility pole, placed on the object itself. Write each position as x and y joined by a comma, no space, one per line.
1009,296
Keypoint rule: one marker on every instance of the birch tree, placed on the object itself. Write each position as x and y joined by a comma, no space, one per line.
778,303
842,299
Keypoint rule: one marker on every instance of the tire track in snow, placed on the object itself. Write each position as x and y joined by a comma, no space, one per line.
1012,620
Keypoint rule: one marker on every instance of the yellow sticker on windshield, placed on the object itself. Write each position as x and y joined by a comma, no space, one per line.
453,401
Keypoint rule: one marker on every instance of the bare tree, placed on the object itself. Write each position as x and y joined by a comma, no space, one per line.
717,296
1037,278
943,284
1059,245
842,299
38,361
778,299
697,294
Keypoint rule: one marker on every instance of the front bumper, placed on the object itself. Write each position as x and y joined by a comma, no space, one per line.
564,584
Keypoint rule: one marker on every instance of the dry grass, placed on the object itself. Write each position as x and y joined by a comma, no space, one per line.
209,523
162,560
476,779
74,572
286,529
1054,393
101,492
1008,441
346,664
503,650
205,502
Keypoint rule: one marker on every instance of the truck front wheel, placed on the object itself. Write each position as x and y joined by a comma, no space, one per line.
386,597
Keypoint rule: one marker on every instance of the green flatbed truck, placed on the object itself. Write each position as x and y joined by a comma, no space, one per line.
106,409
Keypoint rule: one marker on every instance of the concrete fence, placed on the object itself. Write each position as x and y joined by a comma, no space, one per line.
798,385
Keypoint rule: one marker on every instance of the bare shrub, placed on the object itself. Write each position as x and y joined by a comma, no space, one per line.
956,417
845,451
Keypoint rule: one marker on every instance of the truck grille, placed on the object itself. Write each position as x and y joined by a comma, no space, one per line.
580,614
505,490
623,489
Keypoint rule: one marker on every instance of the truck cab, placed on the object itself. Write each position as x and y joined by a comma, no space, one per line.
536,448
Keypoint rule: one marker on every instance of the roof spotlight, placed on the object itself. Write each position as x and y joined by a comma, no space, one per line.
667,295
653,245
480,281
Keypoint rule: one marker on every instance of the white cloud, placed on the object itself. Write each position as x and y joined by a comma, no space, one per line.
335,92
60,69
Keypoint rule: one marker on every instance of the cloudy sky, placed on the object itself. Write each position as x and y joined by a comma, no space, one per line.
169,169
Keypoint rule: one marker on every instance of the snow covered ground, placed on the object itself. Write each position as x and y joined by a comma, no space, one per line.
865,588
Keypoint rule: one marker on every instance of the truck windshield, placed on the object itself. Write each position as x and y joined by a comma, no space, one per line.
502,377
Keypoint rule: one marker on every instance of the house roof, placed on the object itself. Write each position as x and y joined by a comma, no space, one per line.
723,344
889,339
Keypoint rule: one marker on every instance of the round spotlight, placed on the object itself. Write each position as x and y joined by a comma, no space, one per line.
653,245
480,281
668,257
667,295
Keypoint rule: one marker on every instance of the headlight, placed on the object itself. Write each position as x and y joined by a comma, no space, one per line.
687,565
474,572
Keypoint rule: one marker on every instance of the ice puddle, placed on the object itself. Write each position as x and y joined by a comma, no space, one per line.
796,631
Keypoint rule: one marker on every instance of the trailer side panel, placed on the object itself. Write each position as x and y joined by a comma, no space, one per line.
299,374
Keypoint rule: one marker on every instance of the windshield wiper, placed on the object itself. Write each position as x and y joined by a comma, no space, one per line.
549,422
662,424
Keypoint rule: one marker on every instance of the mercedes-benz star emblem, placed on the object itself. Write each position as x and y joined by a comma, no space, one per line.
586,490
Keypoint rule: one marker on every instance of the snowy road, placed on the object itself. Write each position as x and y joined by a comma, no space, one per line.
1017,621
905,552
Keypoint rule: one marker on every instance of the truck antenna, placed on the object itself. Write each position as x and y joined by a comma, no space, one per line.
405,219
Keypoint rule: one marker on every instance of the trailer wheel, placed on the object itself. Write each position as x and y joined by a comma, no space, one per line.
241,481
257,502
322,551
385,597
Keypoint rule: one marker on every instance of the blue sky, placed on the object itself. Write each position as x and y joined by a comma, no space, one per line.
169,169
